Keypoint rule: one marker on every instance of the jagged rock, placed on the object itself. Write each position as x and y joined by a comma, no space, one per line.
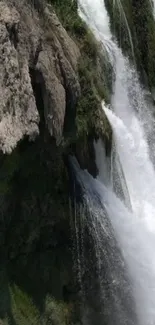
18,113
33,52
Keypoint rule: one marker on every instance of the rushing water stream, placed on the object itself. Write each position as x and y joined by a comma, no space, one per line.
132,216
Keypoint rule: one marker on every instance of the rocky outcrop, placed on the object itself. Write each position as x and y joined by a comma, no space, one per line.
50,92
38,72
18,112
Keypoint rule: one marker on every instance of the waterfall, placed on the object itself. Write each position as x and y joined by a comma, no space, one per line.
122,13
133,222
152,2
115,287
104,170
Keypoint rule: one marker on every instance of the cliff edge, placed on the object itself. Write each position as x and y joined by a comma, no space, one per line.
34,50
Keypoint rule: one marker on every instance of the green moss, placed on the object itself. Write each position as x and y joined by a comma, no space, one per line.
94,71
89,106
25,312
67,12
23,309
56,312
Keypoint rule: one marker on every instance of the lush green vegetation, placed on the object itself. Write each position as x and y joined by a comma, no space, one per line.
94,71
25,312
89,114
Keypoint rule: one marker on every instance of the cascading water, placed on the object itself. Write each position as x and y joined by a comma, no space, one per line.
115,294
153,5
134,135
118,3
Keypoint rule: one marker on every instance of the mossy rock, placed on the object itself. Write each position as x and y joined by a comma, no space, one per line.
25,312
133,24
95,71
56,313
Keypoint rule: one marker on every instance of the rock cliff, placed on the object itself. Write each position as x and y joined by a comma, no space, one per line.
53,76
34,50
51,85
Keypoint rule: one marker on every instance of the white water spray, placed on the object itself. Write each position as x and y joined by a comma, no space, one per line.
134,134
103,169
152,2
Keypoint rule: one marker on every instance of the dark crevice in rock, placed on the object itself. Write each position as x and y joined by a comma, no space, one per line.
13,34
85,154
38,50
70,115
38,87
39,5
71,102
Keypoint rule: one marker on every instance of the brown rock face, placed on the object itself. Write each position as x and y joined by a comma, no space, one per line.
18,113
38,62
